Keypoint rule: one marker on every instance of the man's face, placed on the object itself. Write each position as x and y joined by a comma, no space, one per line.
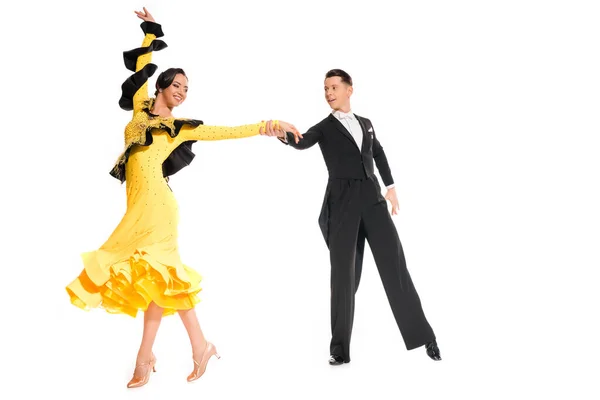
337,94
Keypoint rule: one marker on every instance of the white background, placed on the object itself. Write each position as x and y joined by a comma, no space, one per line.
488,112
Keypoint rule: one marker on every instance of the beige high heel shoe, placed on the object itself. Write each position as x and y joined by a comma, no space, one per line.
138,381
200,367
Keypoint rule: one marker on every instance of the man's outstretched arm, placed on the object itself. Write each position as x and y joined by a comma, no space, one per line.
308,139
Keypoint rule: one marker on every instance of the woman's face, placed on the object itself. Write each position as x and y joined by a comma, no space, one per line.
175,94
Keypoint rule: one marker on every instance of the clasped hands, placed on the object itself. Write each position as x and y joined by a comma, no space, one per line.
279,129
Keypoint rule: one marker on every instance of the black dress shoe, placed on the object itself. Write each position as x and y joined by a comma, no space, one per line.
335,360
433,351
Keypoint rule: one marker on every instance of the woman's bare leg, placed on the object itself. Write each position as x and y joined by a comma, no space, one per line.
152,319
145,359
192,326
202,350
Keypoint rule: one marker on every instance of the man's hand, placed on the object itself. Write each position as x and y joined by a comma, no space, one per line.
393,198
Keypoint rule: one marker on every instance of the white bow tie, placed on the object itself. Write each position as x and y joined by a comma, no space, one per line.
343,115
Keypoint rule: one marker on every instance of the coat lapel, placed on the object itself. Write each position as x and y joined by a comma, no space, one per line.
366,143
342,129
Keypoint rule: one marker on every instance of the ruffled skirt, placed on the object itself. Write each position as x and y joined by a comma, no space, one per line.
129,285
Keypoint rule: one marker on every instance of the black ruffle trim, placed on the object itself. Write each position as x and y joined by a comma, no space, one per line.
130,57
179,158
153,28
132,84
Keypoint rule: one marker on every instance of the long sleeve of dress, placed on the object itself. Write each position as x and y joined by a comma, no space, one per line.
207,132
141,94
139,60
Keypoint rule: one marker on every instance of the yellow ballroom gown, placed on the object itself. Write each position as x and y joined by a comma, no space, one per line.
140,262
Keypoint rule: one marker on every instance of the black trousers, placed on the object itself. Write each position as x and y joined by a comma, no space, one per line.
355,210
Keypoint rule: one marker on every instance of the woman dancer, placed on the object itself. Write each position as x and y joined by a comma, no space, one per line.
139,267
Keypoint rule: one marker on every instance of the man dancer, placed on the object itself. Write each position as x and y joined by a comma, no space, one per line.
354,210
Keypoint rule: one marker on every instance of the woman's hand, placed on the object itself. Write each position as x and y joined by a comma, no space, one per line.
287,127
146,16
